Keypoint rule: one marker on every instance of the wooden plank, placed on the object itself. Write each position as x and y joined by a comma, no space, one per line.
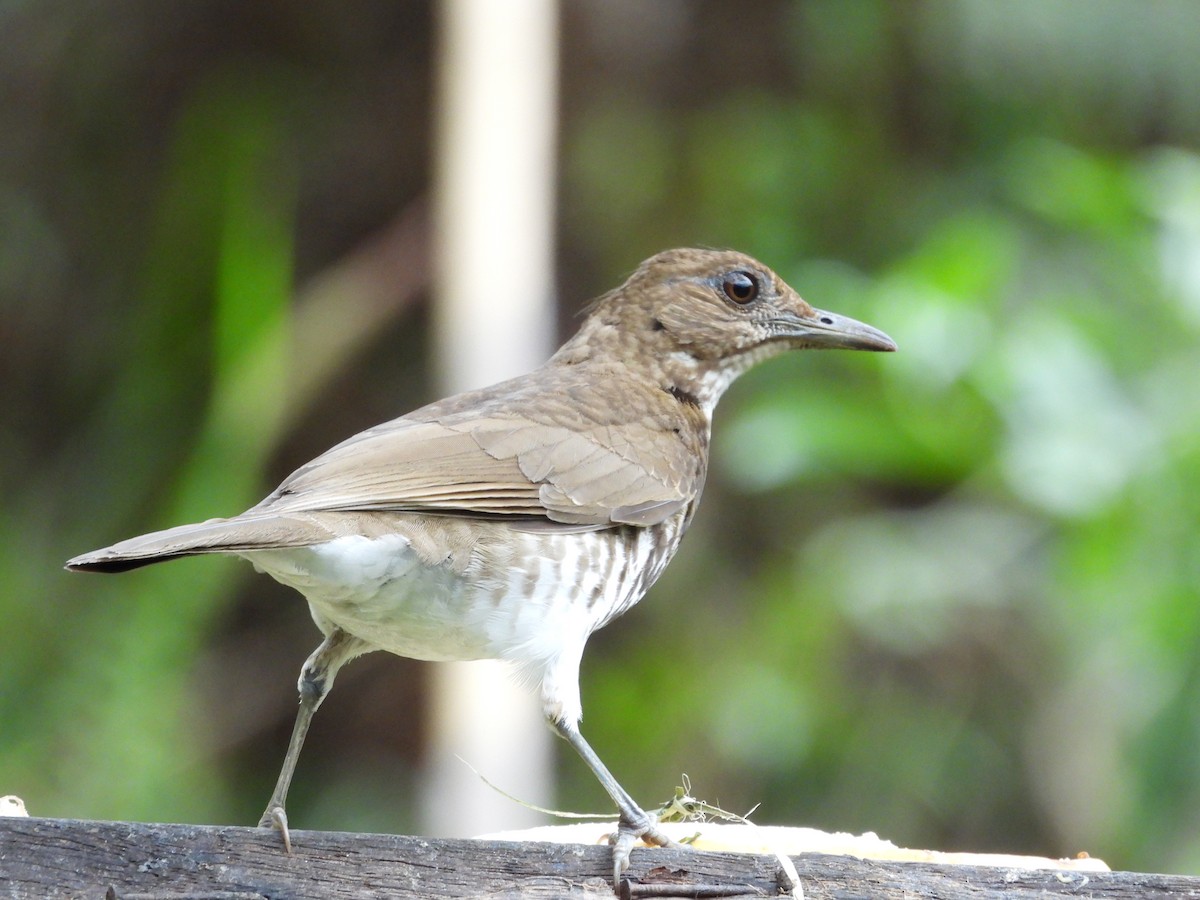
66,858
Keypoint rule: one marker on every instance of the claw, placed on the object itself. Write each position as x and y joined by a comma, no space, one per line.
634,823
276,817
622,844
645,828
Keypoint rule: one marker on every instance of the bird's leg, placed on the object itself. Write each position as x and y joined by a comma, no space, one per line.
316,678
635,823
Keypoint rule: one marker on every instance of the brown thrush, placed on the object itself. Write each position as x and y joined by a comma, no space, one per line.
511,522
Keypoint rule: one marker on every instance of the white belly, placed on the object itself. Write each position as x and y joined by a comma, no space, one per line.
380,590
508,595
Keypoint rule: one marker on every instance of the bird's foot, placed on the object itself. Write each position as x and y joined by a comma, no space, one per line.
276,817
640,826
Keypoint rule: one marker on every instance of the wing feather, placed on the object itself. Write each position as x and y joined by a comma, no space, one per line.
488,467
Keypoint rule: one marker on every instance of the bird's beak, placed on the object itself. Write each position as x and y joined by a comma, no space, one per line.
829,330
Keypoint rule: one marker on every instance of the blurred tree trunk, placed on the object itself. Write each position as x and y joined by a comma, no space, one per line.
494,176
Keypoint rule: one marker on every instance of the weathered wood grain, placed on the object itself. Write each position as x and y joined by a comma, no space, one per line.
66,858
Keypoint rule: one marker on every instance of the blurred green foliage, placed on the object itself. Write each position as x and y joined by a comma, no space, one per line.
949,595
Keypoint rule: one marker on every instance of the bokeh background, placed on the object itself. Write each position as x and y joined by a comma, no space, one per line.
949,595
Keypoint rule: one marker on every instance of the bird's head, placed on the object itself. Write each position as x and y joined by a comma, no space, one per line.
699,318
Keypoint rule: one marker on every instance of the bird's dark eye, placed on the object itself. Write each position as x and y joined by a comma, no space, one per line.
740,287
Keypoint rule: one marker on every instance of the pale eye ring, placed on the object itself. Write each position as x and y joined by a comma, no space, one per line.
740,286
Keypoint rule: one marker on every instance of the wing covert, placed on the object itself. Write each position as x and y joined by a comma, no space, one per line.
498,466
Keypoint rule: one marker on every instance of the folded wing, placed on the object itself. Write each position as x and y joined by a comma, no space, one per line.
495,467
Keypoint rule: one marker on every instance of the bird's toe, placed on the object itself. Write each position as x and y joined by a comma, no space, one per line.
633,828
276,817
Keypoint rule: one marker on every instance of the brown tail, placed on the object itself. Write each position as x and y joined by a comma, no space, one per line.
214,536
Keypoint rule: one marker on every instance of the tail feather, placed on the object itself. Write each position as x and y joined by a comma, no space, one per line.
234,535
